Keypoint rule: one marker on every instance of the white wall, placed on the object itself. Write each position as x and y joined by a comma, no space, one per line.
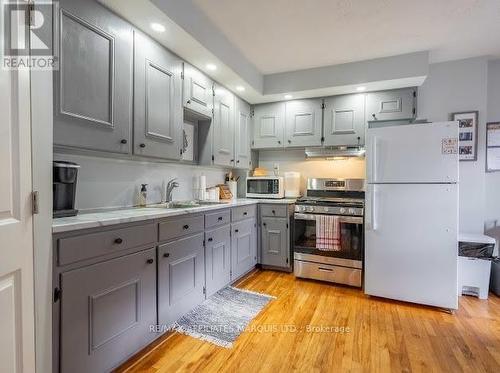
492,182
114,183
461,86
294,160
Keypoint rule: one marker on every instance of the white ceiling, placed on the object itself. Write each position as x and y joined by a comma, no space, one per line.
287,35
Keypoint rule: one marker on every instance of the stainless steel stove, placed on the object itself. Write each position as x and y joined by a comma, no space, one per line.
343,198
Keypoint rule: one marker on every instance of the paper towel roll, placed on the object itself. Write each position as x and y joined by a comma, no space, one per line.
203,182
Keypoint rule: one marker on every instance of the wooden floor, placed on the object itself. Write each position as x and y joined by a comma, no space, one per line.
379,335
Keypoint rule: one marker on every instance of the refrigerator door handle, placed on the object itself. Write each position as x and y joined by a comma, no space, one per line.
374,163
373,217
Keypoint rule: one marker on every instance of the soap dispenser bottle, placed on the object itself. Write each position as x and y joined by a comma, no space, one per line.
143,195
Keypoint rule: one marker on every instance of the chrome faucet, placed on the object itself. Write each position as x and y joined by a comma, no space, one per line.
169,189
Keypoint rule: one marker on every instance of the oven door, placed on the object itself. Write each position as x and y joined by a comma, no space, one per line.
351,238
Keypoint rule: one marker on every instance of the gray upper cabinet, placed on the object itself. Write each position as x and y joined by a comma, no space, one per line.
242,134
198,91
275,242
181,277
223,127
344,120
391,105
106,311
157,100
243,247
303,122
269,125
93,88
217,258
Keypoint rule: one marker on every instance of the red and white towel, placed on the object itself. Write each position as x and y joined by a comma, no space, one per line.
328,233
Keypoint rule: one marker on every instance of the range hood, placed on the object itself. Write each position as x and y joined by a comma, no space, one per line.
333,152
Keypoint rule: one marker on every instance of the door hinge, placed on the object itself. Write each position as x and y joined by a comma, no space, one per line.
287,225
203,243
204,290
35,208
212,111
182,74
213,158
322,138
57,294
231,273
414,111
414,93
323,106
286,260
253,142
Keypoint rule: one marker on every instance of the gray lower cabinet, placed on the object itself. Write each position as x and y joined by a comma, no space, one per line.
397,104
93,87
181,277
344,120
243,247
275,242
303,123
223,127
157,100
217,259
268,125
242,135
106,312
198,92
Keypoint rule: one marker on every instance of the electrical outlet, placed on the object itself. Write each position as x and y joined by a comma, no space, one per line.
276,168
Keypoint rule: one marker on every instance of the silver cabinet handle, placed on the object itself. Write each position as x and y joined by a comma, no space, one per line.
325,269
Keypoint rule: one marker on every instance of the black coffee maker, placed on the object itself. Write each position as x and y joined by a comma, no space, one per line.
64,188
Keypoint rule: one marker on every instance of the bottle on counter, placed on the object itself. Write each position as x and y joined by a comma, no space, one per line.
143,196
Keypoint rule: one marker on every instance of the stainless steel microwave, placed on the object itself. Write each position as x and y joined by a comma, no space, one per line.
265,187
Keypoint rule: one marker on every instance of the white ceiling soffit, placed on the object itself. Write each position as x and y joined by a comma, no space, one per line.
190,34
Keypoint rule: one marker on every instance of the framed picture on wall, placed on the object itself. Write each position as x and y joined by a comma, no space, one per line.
467,134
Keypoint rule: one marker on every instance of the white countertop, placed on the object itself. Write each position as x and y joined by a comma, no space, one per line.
130,215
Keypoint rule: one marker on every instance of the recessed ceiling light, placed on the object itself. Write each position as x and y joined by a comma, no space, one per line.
288,97
211,66
158,27
360,89
240,88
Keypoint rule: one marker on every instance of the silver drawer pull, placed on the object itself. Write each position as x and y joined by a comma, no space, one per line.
325,269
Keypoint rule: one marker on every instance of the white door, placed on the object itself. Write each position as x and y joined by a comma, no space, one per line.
423,153
411,243
16,242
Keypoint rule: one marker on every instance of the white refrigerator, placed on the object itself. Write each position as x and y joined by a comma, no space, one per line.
411,230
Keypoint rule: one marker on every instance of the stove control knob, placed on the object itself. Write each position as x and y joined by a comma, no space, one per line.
310,209
351,211
325,209
342,210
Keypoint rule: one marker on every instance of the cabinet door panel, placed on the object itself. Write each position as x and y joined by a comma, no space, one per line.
303,122
181,277
223,127
217,259
198,94
242,135
243,247
269,125
106,311
157,100
344,120
93,87
275,242
397,104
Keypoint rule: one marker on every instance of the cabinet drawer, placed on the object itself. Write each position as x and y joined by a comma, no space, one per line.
218,218
74,249
326,272
243,212
279,211
180,226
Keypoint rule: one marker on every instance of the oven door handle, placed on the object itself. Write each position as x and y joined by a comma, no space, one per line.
342,219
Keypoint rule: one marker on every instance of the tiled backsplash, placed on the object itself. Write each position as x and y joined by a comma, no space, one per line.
114,183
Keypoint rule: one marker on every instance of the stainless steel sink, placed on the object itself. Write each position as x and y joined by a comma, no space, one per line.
184,204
